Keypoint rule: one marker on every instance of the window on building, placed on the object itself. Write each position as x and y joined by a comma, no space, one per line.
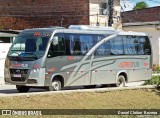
102,8
6,40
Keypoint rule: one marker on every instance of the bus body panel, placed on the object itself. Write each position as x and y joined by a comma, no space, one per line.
88,69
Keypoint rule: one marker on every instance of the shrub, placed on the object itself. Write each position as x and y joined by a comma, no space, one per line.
155,80
156,68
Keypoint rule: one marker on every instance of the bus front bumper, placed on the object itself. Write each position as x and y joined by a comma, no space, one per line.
34,77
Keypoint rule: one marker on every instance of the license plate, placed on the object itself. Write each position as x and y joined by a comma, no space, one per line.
17,75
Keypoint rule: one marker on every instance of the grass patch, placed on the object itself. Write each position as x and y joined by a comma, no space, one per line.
127,99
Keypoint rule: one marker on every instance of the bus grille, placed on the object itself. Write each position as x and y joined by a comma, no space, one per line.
18,79
18,74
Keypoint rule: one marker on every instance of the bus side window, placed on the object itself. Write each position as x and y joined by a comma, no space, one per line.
78,44
86,42
136,45
129,45
147,46
57,49
117,46
72,44
50,51
104,49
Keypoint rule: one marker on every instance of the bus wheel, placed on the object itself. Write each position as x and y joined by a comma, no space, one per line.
22,89
55,85
90,86
120,81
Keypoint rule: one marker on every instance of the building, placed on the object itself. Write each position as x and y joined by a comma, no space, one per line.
22,14
145,20
6,39
99,13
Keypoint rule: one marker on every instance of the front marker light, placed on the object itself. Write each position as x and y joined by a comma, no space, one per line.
36,70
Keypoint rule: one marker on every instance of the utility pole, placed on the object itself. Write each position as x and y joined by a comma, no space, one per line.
62,21
97,24
110,8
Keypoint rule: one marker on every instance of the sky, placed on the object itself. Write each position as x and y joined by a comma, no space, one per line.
129,4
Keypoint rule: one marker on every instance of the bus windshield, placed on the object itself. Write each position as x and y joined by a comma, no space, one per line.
29,46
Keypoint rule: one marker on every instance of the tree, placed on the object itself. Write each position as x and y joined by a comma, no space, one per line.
140,5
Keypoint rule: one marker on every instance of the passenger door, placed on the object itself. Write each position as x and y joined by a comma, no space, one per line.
56,55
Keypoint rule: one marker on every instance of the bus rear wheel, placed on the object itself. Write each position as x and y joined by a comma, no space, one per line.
120,81
55,85
22,89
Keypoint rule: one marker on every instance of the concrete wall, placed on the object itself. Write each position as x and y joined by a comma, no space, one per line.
22,14
4,48
103,19
154,34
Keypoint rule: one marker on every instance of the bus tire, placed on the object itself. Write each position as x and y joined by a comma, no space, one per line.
120,81
90,86
55,85
22,89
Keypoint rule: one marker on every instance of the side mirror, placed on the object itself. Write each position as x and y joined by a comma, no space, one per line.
55,40
14,38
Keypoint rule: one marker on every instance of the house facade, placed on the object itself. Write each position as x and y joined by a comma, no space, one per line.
99,13
145,20
22,14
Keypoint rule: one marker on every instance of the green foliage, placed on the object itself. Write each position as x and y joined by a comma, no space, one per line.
155,80
140,5
156,68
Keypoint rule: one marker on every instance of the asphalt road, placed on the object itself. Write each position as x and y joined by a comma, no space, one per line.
10,90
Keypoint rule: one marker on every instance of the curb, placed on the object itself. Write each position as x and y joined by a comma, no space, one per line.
155,74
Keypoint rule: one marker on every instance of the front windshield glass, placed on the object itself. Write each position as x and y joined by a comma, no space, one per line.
29,45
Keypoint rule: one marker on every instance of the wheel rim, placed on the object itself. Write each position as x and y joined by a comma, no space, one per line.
56,85
120,83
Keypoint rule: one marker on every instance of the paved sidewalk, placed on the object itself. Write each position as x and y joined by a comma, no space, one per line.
156,74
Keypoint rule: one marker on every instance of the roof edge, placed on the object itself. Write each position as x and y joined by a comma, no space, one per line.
141,23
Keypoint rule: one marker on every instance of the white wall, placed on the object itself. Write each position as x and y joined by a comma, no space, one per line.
4,47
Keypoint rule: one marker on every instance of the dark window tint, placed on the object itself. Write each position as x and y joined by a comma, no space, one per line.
87,42
111,47
104,49
78,44
117,46
6,40
136,45
102,8
59,48
73,46
147,46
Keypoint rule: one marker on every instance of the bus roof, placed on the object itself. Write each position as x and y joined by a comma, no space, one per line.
132,33
87,30
50,29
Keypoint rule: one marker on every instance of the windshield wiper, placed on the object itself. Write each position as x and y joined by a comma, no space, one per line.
17,57
36,57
